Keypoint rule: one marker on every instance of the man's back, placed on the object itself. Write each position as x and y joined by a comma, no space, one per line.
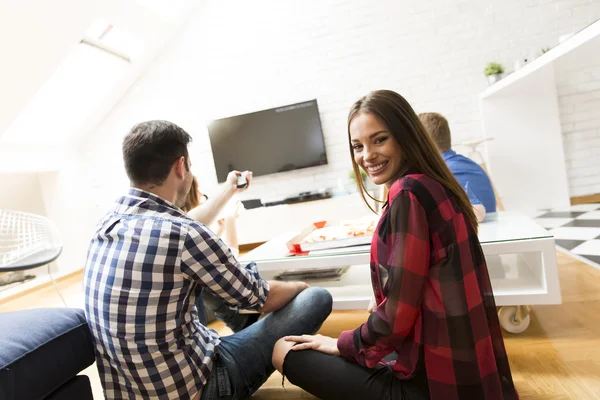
468,172
146,264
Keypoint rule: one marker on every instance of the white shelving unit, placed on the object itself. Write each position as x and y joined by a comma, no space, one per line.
521,112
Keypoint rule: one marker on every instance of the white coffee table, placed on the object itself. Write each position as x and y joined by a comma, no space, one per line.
520,254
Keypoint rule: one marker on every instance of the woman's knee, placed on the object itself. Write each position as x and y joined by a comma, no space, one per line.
280,350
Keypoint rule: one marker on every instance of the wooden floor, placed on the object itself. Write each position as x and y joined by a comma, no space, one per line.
557,358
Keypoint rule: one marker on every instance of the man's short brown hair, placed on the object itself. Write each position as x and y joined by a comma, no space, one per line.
437,126
151,148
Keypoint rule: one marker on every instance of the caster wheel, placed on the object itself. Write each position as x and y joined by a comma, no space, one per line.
508,320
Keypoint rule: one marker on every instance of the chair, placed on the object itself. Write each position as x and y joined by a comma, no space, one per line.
476,156
28,241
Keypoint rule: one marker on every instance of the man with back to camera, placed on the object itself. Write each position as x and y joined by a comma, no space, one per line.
147,264
468,173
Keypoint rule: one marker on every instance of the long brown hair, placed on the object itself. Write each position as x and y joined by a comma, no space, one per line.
193,197
418,150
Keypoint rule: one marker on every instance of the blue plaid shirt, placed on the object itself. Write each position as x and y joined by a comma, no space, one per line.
146,265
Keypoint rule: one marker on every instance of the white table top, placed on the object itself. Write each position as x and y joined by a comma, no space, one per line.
497,227
506,226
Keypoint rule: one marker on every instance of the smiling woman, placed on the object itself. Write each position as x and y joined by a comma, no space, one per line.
382,115
373,150
433,332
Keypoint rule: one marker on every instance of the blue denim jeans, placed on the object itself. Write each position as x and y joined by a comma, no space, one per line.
243,360
231,317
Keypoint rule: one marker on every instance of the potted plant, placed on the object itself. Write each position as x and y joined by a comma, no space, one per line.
363,175
494,72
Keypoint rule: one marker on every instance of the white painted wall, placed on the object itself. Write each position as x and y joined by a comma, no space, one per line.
578,87
21,192
238,57
68,199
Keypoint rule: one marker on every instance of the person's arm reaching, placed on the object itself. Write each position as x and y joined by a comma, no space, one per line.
281,293
479,211
408,260
207,212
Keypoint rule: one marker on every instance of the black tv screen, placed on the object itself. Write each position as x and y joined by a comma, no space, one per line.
269,141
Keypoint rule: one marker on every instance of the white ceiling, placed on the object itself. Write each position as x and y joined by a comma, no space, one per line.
54,90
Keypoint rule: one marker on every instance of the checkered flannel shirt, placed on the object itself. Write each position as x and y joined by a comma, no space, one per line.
146,265
434,298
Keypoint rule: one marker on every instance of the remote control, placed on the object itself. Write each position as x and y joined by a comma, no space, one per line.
241,181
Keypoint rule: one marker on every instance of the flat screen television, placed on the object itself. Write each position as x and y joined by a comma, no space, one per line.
270,141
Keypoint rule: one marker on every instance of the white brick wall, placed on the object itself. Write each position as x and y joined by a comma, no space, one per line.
578,87
239,57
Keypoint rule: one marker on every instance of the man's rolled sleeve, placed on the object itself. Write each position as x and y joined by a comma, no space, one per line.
208,261
472,198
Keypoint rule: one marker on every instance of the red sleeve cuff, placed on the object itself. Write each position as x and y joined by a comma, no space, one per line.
346,346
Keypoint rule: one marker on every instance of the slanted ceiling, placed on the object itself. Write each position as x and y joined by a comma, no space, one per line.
44,64
34,37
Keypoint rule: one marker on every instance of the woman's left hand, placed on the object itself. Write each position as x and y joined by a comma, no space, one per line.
324,344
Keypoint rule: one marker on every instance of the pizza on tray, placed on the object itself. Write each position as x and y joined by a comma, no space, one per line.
346,229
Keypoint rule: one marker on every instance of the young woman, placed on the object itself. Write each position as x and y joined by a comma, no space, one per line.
434,332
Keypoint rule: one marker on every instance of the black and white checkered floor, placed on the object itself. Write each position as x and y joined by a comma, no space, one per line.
575,229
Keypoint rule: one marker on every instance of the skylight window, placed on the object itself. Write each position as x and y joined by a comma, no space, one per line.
79,86
77,90
166,9
113,40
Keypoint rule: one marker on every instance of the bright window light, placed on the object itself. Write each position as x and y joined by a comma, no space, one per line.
167,9
112,40
98,29
77,89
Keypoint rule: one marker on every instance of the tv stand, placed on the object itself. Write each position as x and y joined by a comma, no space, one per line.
308,196
302,197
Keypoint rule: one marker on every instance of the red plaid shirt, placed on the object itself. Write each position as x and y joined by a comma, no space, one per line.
434,296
